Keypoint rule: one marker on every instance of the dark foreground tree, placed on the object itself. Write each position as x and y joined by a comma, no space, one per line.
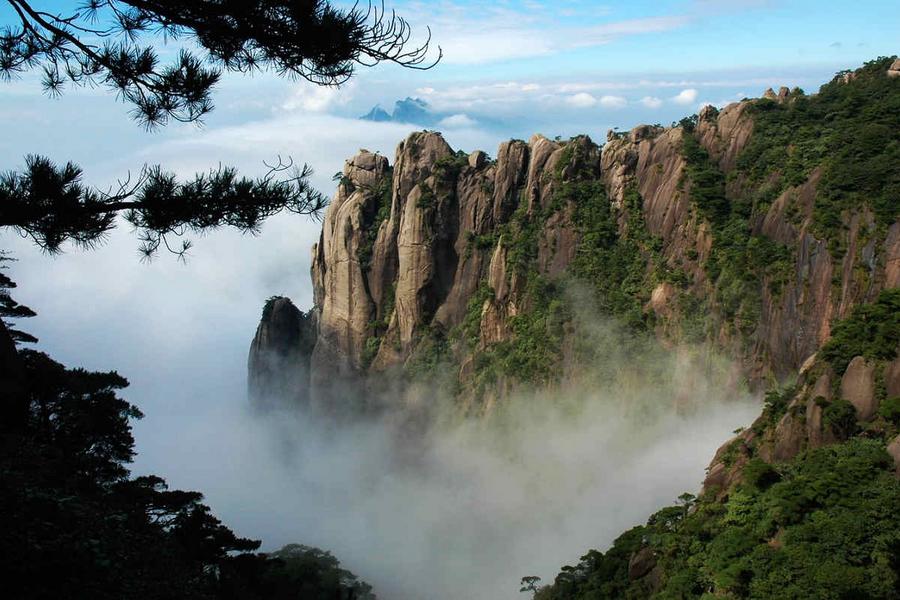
9,308
101,42
294,571
109,43
76,525
50,204
529,583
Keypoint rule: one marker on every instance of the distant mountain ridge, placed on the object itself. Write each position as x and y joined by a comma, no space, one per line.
410,110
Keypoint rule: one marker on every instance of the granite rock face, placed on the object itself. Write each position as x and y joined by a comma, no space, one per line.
894,69
410,253
858,387
278,365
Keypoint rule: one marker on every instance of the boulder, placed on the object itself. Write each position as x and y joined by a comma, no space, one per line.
894,69
790,435
642,562
510,175
707,113
894,450
477,159
892,377
644,132
808,364
365,160
821,389
343,299
725,132
660,300
858,387
278,364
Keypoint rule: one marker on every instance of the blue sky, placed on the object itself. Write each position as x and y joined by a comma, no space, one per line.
510,69
572,37
574,67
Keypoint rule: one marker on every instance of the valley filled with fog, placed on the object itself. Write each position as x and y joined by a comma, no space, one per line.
454,508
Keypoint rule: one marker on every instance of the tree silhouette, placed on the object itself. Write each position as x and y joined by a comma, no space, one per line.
51,205
9,308
529,584
102,43
76,524
105,43
687,501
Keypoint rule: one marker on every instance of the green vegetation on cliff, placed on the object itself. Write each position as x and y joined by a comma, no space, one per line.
533,352
739,261
849,129
823,526
871,330
377,211
612,264
719,295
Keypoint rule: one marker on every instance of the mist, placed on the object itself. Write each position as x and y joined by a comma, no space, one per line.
424,501
453,508
450,508
465,507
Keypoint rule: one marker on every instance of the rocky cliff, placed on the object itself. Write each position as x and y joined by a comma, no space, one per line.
850,387
792,506
278,365
727,228
768,231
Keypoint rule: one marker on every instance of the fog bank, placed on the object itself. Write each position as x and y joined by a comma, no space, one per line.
424,502
462,512
469,507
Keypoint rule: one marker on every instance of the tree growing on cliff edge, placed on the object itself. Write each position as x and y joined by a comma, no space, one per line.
103,43
529,583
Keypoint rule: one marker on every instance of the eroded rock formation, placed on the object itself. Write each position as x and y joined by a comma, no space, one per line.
278,365
436,256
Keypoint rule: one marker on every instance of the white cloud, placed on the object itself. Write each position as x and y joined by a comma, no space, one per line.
613,102
474,40
463,97
314,98
470,46
688,96
607,32
707,7
492,99
581,100
479,35
457,121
